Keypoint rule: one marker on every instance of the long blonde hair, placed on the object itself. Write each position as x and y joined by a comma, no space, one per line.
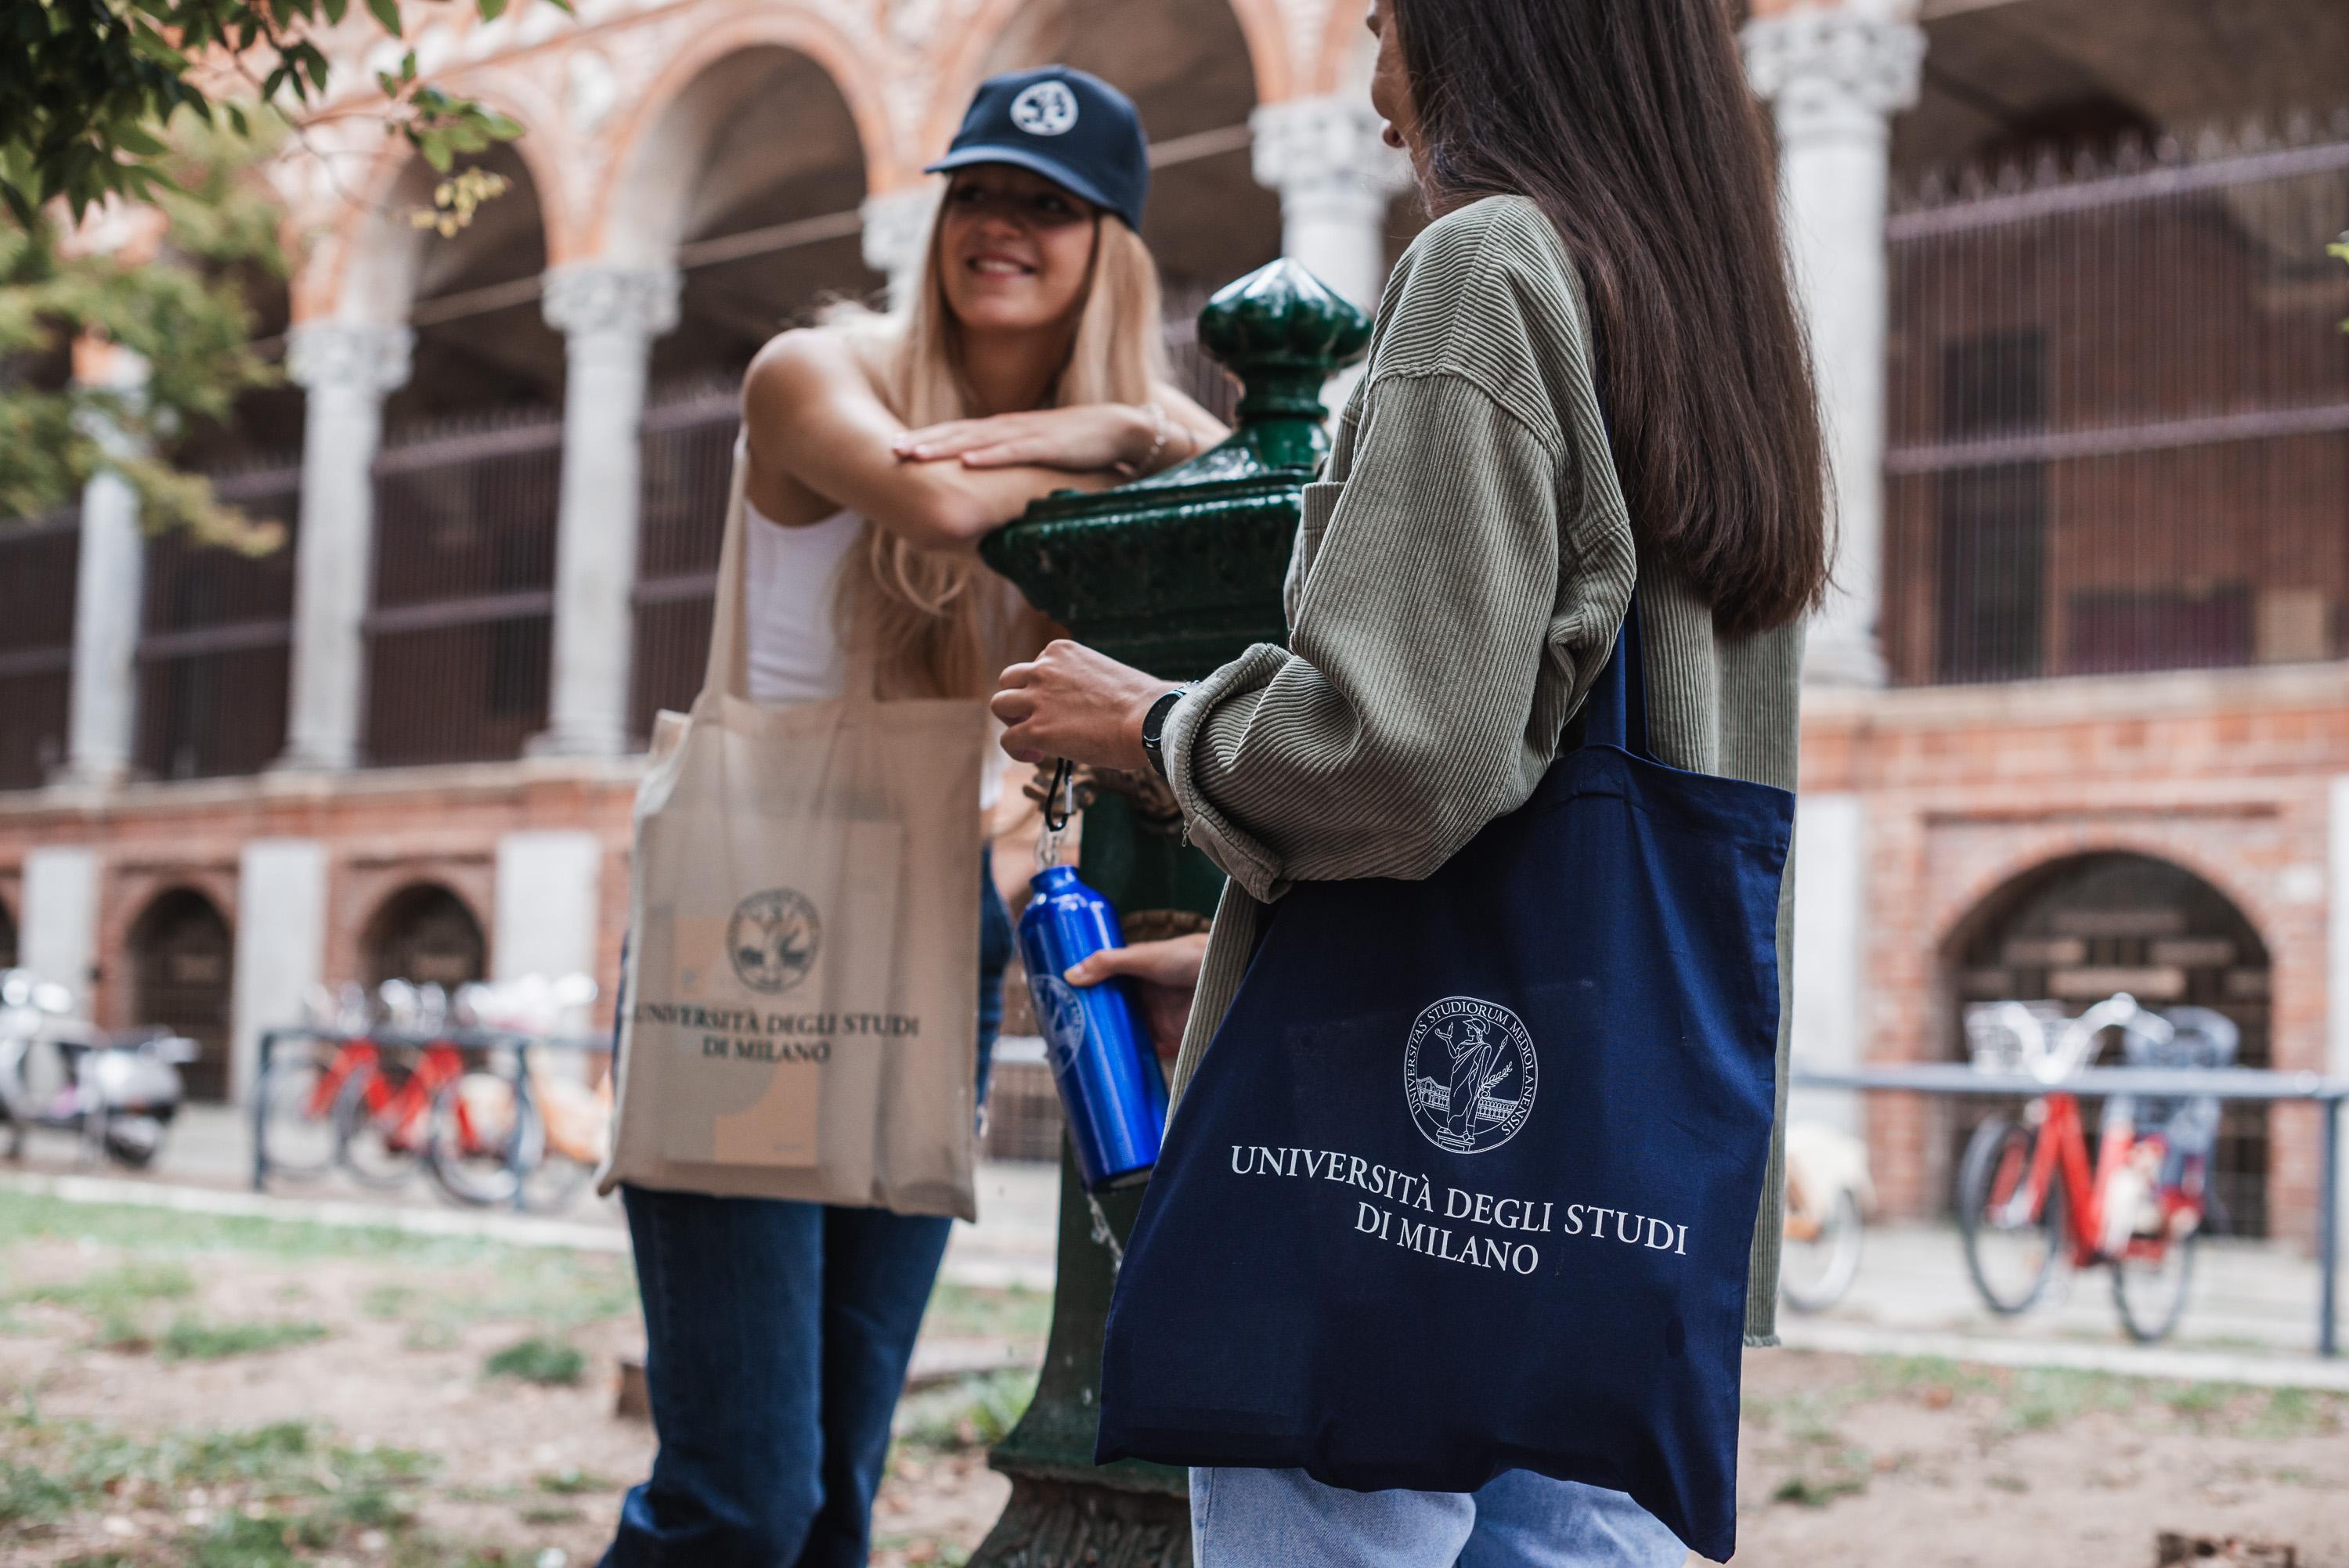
940,624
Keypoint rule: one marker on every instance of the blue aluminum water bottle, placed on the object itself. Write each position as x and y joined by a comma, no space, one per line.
1111,1089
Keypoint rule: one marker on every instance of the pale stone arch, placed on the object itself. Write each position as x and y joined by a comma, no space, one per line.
1961,905
962,64
1342,61
635,215
371,258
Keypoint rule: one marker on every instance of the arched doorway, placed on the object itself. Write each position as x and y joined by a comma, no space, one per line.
7,937
180,955
424,933
2077,930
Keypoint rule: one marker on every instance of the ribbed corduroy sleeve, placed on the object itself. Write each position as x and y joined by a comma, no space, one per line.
1394,726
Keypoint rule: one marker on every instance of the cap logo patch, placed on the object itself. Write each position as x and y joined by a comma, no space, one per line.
1045,108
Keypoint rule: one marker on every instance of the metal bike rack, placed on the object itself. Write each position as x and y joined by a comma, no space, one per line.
1955,1079
481,1040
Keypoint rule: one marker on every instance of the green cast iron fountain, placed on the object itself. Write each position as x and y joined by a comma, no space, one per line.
1175,574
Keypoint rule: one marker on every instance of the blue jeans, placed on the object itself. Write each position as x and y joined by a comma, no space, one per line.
1285,1518
777,1336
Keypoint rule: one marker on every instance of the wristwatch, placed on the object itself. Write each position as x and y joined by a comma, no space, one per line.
1153,727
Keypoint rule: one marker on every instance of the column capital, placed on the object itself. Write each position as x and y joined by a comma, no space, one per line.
598,297
1326,148
364,356
1833,73
897,228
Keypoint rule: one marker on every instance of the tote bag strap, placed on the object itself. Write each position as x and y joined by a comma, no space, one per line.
1616,712
729,669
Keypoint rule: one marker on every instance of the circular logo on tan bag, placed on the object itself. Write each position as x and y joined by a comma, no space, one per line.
773,938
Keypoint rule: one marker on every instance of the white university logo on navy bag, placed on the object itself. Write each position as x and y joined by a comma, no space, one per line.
1469,1074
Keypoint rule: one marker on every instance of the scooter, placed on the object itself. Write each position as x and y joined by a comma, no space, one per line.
117,1093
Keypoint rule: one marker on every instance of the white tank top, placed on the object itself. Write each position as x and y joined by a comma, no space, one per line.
791,578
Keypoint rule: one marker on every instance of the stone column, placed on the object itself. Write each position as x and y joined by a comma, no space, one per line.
1834,76
609,316
1830,960
1335,178
57,936
2336,969
897,236
281,945
102,717
548,904
346,367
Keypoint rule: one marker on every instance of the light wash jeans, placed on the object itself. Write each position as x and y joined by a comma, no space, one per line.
1285,1518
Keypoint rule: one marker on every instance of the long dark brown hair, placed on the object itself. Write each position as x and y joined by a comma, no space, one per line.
1628,123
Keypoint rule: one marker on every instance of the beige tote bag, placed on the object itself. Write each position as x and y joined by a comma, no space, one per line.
803,977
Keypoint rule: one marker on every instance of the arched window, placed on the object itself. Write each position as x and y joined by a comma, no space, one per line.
181,958
424,934
2077,930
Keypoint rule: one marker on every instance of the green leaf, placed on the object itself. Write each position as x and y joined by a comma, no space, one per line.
336,10
236,118
386,13
134,139
491,9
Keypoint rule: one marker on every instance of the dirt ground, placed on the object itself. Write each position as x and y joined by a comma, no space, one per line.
241,1394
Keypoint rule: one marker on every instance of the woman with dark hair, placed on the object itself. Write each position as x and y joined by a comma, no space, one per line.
1588,373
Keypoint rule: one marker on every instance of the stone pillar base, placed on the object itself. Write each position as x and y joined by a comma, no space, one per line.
1067,1524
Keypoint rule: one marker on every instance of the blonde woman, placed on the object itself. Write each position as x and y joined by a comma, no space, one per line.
881,451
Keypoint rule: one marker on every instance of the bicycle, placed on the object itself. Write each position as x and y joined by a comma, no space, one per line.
393,1093
2029,1194
564,1125
1828,1192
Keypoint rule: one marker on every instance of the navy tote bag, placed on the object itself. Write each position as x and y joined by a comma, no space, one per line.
1467,1182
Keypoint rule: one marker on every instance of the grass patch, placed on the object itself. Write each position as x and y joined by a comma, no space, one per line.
965,1312
279,1494
166,1233
2297,1413
2042,1399
539,1360
1805,1492
971,1413
194,1339
29,1497
573,1481
124,1289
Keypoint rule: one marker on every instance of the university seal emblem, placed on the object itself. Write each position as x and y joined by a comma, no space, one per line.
1468,1074
1059,1013
1046,108
772,939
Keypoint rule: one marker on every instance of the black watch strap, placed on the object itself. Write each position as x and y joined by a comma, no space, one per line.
1154,728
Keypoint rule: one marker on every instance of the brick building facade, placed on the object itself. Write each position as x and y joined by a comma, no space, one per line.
2079,714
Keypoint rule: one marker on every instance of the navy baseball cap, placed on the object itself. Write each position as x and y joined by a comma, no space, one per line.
1073,129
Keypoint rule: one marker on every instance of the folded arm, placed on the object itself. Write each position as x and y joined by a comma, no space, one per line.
812,421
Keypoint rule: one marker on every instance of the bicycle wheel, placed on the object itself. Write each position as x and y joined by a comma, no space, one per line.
2013,1234
1814,1273
2150,1286
380,1148
297,1125
481,1141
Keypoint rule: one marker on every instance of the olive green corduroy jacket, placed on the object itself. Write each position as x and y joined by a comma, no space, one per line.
1459,575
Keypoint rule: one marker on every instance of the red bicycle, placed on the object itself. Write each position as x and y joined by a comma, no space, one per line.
2028,1194
381,1110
